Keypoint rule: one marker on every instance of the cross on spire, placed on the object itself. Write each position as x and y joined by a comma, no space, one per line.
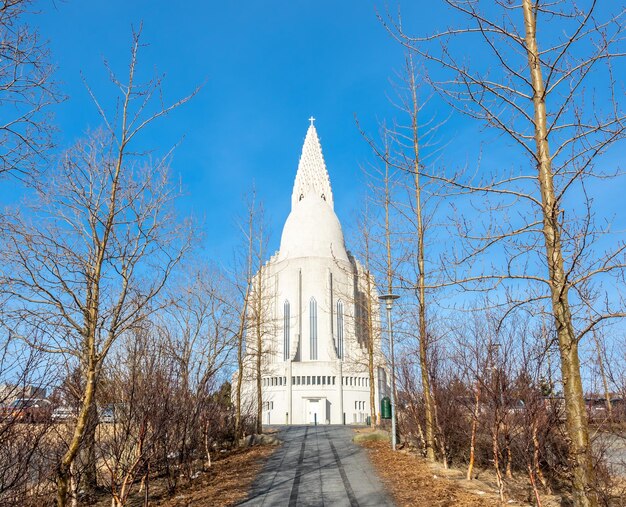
311,119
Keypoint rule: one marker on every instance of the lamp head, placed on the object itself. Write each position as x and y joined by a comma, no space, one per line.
388,298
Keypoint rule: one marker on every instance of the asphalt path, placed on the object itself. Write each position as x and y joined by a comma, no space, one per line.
318,466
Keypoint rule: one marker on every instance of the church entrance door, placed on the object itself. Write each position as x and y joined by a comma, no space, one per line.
315,411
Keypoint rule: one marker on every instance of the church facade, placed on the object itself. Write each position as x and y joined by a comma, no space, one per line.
317,315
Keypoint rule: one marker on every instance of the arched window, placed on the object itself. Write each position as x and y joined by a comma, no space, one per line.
340,329
286,322
313,330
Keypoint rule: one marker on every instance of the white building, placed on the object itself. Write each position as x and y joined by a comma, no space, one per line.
316,319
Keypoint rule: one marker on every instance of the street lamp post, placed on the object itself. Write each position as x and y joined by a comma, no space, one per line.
389,299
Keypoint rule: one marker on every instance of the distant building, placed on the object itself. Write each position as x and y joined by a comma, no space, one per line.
11,392
316,322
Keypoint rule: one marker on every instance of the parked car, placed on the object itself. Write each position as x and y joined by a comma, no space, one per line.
63,413
30,410
106,414
112,413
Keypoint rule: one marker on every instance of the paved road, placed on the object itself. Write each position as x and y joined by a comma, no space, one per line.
318,466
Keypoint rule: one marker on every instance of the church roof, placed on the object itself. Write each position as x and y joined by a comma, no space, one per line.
312,229
312,177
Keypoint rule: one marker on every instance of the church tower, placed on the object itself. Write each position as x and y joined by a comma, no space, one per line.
322,311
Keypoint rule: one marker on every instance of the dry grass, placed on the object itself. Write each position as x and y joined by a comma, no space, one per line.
226,483
413,481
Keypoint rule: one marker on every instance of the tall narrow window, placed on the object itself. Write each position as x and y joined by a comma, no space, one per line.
313,313
286,322
340,329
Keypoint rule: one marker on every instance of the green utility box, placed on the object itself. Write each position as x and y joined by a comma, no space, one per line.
385,408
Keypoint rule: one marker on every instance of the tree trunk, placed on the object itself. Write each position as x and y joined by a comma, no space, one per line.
243,319
64,470
207,448
507,450
421,281
259,350
89,479
240,355
583,477
470,466
495,433
259,413
534,485
372,385
428,399
443,444
536,462
238,387
370,343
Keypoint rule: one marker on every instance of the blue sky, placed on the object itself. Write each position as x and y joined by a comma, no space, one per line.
266,67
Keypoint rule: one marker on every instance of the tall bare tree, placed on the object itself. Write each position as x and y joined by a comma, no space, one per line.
260,307
412,165
243,282
541,64
401,154
89,259
371,324
362,297
257,325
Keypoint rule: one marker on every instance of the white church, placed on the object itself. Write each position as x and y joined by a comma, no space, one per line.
318,323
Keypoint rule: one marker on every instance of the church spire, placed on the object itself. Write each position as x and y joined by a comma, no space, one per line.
312,177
